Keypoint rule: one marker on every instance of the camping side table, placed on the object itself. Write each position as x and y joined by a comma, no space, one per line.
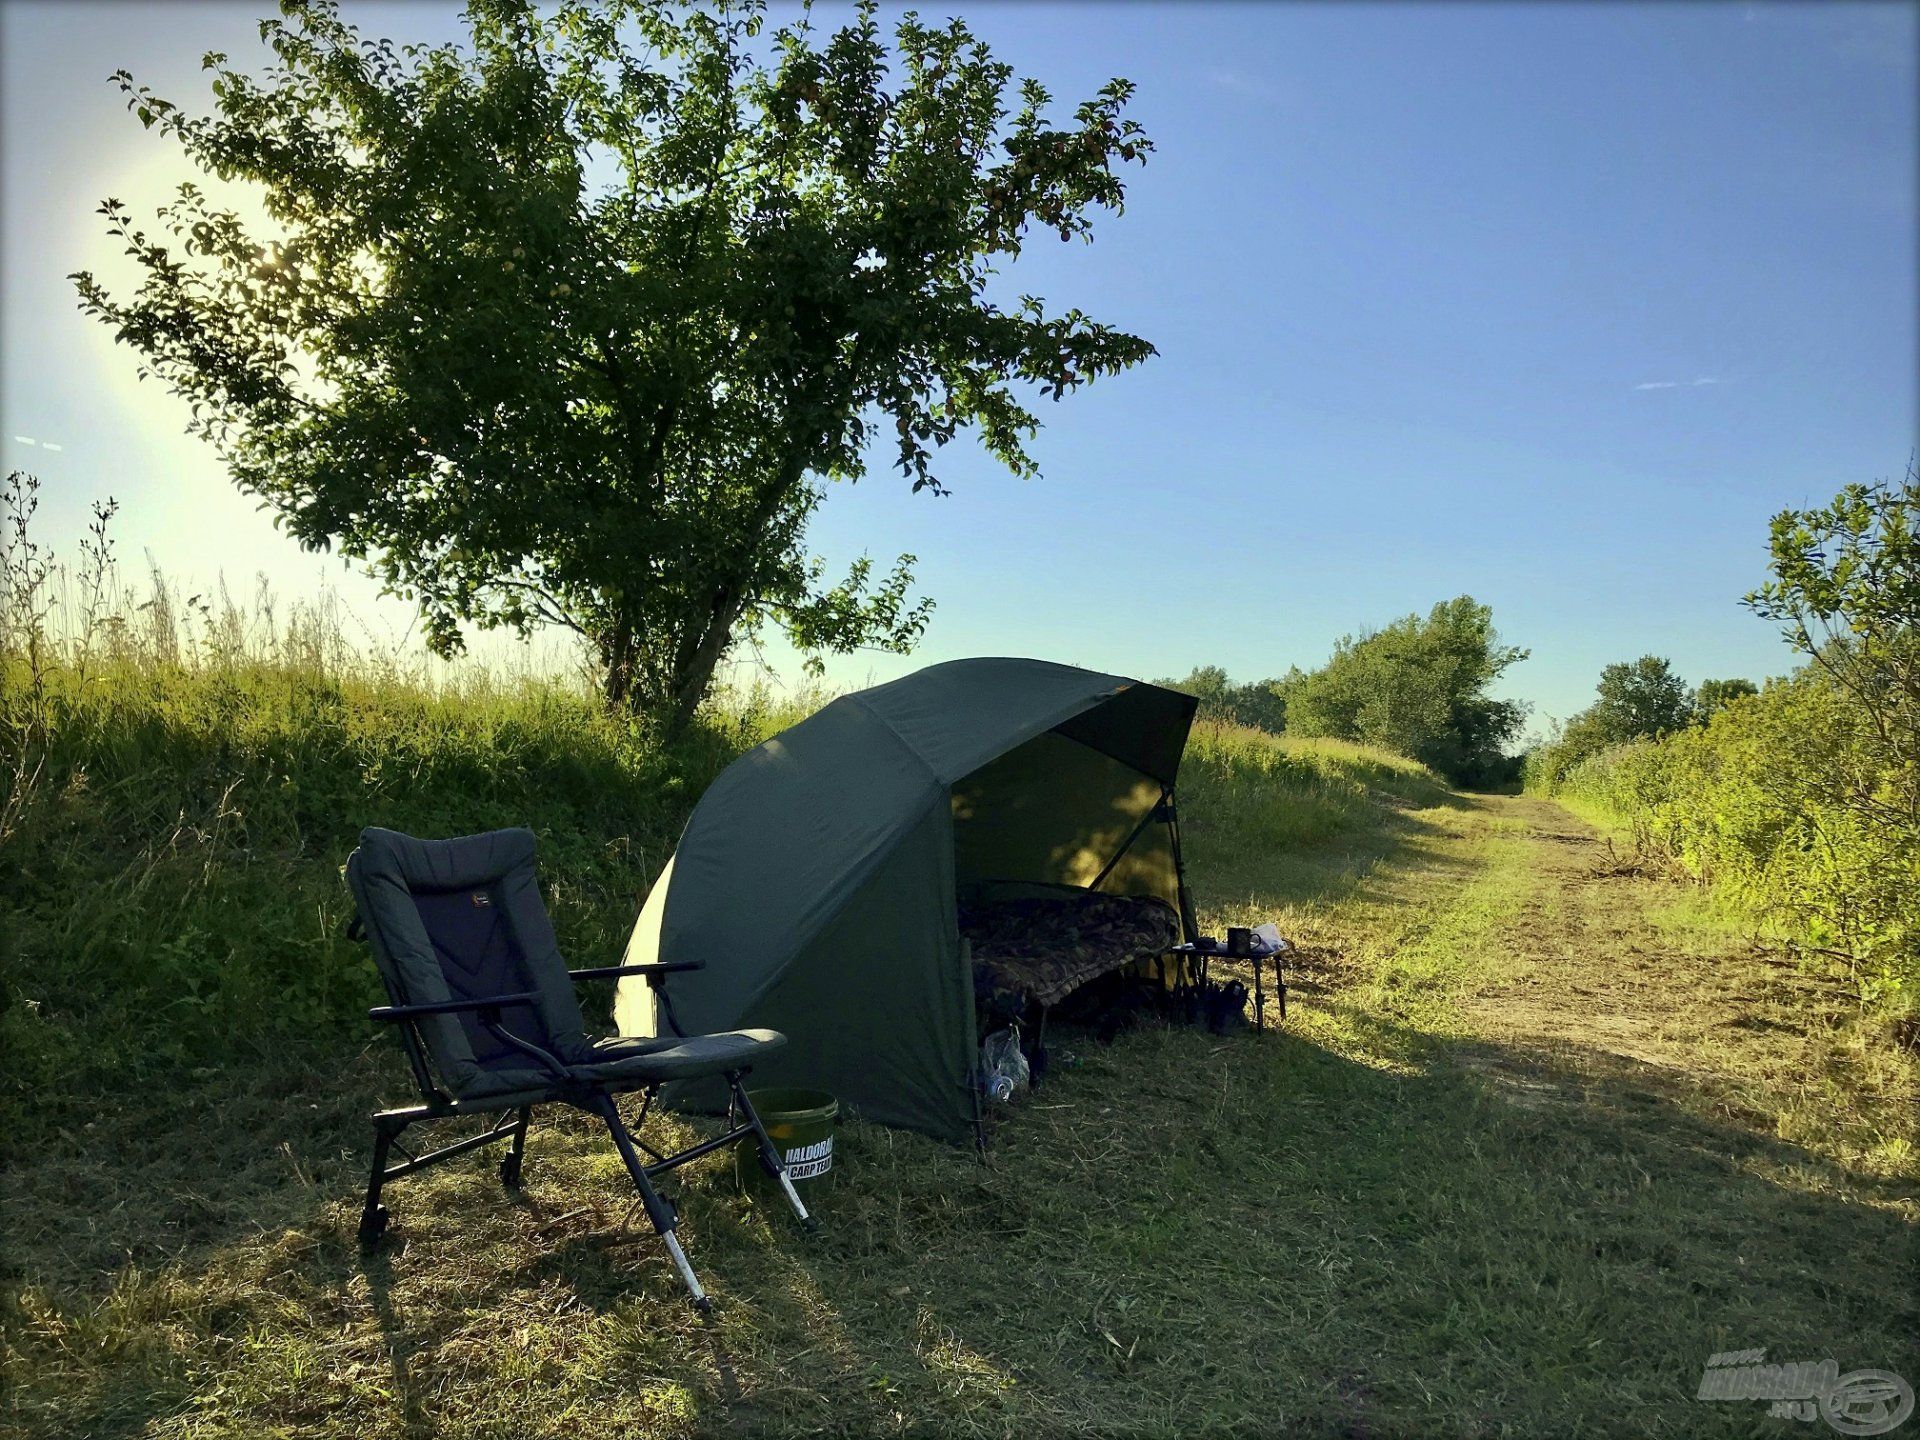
1197,953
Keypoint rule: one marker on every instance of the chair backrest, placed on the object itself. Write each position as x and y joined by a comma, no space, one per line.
457,919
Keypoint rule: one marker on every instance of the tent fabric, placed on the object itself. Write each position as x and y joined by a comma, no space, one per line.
1010,817
816,877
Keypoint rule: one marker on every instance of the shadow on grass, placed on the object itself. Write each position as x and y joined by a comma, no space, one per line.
1266,1235
377,1268
1177,1234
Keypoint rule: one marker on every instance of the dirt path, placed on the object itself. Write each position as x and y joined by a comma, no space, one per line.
1613,971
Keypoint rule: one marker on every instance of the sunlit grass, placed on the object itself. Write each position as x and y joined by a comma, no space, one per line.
1534,1140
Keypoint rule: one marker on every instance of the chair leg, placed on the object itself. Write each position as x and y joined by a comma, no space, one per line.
659,1211
516,1150
373,1215
770,1158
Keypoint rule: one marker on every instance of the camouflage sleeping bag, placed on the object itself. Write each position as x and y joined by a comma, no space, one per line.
1040,949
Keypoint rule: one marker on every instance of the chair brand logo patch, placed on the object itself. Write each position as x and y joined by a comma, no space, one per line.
480,897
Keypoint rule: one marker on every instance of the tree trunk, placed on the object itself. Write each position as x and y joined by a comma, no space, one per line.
701,646
691,679
616,666
693,669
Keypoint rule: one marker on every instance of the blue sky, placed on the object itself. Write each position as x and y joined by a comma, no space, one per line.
1549,304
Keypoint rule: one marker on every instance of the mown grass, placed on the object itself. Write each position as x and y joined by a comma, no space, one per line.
1420,1207
1794,807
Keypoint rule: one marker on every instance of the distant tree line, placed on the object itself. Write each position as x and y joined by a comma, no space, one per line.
1635,700
1419,686
1260,703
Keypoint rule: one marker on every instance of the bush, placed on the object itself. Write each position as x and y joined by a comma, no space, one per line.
1757,803
1261,704
1802,800
1635,700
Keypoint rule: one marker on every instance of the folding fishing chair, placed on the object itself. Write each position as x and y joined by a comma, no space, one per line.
486,1010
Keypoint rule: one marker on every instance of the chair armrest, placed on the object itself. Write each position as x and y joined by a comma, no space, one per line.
650,969
451,1007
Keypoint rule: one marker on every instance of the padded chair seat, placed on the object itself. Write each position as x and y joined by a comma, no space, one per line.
629,1063
667,1057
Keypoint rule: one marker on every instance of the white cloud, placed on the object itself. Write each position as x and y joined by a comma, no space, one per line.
1678,384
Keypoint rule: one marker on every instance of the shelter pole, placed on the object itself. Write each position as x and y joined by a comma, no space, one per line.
1172,816
1126,845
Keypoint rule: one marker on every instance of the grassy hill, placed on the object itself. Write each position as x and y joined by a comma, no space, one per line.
1346,1227
179,824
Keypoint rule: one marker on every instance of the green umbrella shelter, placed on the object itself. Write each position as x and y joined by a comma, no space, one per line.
818,876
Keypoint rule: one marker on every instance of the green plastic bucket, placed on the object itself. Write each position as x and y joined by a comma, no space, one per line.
800,1124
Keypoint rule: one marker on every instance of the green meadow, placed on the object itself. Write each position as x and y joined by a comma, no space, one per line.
1540,1134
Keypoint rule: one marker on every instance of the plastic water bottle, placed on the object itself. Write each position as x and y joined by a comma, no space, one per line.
1000,1088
